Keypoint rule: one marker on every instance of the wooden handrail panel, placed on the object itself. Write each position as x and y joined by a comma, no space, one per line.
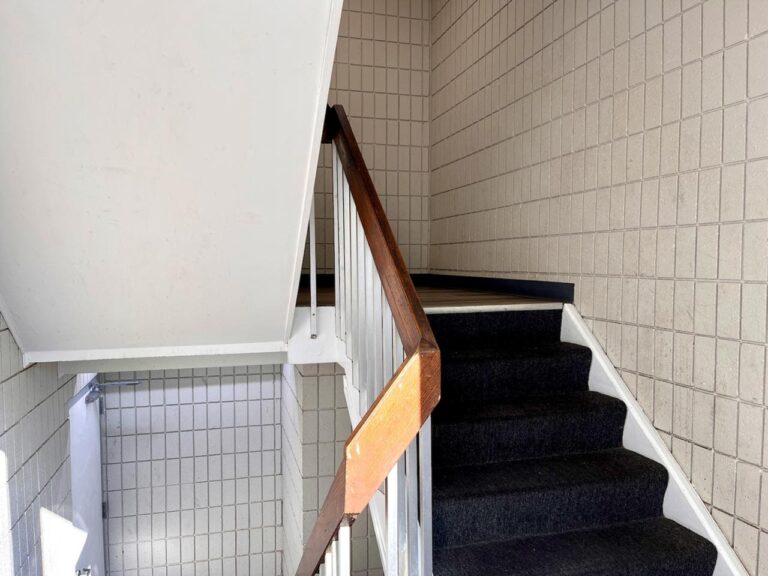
374,447
389,426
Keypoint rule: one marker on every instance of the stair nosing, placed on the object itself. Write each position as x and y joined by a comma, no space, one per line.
550,534
452,418
587,529
513,348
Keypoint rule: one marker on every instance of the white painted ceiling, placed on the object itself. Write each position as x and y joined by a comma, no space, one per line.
156,162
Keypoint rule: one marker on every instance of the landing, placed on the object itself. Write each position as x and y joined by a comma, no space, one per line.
443,299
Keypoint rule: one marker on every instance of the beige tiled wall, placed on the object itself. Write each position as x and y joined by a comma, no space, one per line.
315,426
34,445
381,77
623,146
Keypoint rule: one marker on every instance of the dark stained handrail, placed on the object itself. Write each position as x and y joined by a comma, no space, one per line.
405,403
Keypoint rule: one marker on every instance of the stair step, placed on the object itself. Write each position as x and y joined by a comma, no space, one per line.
474,504
453,329
509,370
527,428
656,547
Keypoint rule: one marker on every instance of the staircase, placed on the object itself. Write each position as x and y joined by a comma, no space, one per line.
529,473
535,462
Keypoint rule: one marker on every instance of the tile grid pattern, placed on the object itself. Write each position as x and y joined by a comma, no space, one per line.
192,472
623,146
34,440
381,77
315,426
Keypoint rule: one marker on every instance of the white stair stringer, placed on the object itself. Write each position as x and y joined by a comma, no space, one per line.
681,501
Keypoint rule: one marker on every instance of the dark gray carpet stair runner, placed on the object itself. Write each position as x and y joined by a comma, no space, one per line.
529,476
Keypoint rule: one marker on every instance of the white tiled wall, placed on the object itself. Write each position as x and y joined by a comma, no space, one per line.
34,438
623,146
192,473
315,427
381,77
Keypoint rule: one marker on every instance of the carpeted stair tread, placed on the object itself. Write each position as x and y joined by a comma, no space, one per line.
526,427
530,407
529,476
655,547
512,499
509,349
538,473
499,371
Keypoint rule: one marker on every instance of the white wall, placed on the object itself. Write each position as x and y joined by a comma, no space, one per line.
34,441
150,152
192,473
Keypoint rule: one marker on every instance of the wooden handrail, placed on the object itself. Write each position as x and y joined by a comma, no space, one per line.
405,403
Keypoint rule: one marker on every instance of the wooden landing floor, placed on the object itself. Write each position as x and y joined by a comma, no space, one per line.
436,300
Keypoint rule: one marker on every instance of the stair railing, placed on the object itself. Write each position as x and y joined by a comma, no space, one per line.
394,365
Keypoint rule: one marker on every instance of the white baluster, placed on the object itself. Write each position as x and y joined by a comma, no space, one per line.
388,360
344,556
425,497
337,227
328,562
370,328
378,336
360,329
364,332
352,255
341,271
402,526
346,259
334,568
412,507
396,520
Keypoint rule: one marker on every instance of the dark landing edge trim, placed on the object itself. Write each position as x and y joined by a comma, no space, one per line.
559,291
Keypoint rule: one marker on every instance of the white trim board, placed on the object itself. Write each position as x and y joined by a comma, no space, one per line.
681,502
162,358
517,307
300,349
152,352
172,362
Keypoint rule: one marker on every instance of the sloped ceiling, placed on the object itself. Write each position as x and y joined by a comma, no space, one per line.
156,162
